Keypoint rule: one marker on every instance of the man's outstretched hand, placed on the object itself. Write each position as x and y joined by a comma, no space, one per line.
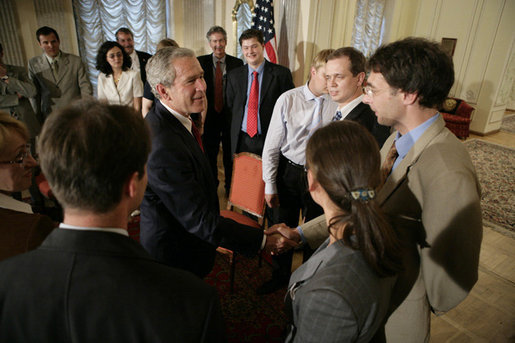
281,238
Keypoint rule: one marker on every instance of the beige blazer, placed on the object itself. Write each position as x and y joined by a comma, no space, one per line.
433,199
72,83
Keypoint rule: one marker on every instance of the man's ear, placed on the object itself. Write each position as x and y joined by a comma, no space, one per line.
361,78
409,98
162,91
132,184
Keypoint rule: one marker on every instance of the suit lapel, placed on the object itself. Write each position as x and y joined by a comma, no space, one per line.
64,62
43,67
401,171
356,111
267,79
209,71
177,126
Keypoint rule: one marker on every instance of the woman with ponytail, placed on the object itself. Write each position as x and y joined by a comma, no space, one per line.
342,293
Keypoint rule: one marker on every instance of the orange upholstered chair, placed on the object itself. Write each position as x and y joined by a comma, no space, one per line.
247,194
456,114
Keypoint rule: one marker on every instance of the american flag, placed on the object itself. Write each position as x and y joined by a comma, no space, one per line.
263,20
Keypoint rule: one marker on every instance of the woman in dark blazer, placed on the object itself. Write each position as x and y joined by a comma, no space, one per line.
342,293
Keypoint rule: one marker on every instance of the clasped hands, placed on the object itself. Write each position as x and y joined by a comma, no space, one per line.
281,238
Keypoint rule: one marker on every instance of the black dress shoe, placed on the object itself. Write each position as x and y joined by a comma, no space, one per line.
272,285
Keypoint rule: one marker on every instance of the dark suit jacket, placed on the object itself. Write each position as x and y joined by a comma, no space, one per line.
180,216
143,57
276,80
364,115
87,286
21,232
206,62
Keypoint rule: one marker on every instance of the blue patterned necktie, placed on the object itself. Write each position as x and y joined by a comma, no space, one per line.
337,116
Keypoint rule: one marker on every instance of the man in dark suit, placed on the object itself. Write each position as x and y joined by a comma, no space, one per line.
94,283
139,59
218,119
251,93
180,215
345,75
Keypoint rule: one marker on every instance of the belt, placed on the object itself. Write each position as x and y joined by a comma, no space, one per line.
298,166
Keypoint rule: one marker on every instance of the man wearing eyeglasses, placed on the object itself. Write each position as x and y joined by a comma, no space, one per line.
431,192
345,76
20,229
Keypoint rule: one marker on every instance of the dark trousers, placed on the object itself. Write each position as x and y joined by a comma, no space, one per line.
294,198
250,144
216,130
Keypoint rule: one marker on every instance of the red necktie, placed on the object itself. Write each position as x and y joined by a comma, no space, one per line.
219,94
252,109
196,134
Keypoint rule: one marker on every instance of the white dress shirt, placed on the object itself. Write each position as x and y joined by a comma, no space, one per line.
135,61
296,115
129,87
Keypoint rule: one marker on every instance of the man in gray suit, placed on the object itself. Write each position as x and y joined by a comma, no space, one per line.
59,77
431,191
15,91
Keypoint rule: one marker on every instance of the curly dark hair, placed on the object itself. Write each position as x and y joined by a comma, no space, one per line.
416,65
102,63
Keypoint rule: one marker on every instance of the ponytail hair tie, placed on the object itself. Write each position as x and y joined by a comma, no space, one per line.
363,194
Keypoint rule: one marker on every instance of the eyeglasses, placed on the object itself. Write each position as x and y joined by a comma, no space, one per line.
20,158
370,92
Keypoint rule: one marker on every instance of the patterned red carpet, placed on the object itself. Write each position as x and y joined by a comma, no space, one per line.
249,317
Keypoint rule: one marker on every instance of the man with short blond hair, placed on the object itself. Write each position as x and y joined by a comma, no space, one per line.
345,75
297,114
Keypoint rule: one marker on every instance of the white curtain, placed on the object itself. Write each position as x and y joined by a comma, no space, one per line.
368,25
98,20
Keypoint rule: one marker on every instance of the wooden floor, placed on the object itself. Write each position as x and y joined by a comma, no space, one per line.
488,313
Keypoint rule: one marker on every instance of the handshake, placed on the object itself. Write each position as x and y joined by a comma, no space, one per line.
281,238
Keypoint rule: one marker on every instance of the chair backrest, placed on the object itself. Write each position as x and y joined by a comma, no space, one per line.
247,186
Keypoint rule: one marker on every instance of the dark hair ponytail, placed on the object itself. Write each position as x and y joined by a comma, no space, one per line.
344,158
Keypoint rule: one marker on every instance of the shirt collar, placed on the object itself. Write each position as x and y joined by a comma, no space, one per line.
259,69
185,121
308,94
52,59
216,59
349,106
103,229
10,203
403,143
